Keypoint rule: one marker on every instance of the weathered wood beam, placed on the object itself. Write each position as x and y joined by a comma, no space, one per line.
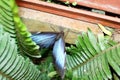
73,13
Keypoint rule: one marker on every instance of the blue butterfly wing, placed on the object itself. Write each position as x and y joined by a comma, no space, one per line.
59,56
44,40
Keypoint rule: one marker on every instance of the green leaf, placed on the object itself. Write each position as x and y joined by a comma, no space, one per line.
47,69
74,3
67,2
52,74
12,65
12,23
93,57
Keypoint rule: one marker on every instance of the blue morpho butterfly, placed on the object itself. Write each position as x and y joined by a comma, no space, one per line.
48,39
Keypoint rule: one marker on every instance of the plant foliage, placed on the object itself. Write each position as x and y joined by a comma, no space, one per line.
47,69
12,23
92,58
12,65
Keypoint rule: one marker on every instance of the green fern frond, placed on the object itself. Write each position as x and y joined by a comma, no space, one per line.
46,67
12,65
15,27
6,17
92,58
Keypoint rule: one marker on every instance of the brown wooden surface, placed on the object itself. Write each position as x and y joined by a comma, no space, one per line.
106,5
70,12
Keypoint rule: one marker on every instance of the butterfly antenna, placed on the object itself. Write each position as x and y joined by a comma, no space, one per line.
52,28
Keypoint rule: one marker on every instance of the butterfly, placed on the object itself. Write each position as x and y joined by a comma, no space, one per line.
56,41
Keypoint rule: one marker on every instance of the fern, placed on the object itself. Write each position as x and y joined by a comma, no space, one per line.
12,65
92,58
46,68
13,25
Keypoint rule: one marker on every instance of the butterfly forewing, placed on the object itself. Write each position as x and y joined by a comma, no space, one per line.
44,39
59,56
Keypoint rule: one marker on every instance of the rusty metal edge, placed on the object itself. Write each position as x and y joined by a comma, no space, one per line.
70,12
101,5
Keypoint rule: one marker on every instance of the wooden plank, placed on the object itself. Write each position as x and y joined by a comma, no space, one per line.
71,12
106,5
